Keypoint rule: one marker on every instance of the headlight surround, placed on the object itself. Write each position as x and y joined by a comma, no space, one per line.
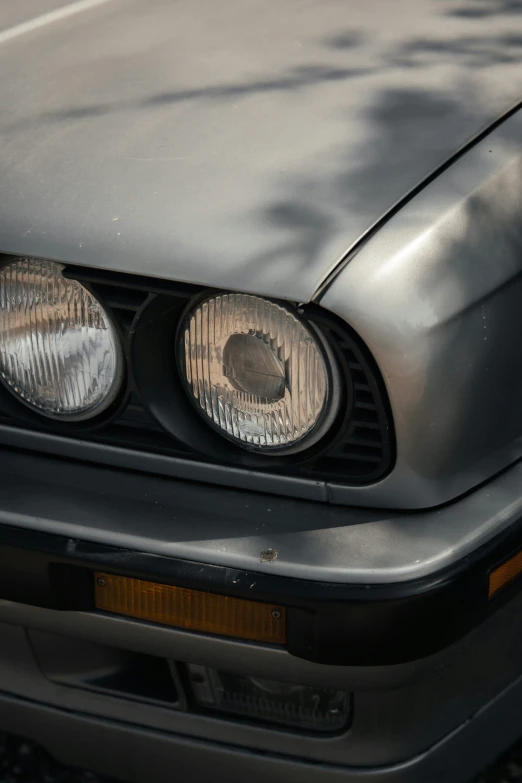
258,373
60,353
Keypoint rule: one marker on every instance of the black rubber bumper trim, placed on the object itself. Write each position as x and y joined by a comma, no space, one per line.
328,623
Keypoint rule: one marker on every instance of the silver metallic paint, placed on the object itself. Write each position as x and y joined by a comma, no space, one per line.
215,525
246,144
436,294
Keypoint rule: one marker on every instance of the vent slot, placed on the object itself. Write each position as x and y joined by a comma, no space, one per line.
364,452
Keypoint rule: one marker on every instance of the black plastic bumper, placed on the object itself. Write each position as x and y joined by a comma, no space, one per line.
329,623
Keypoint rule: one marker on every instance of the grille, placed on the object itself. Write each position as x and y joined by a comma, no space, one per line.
360,453
363,453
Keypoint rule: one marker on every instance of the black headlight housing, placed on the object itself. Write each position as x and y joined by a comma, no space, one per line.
154,414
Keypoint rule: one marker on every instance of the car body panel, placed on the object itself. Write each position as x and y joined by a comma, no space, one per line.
246,145
230,528
435,294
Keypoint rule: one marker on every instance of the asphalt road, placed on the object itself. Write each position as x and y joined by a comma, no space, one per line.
22,761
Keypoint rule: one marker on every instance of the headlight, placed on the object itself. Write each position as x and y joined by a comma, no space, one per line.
256,371
59,352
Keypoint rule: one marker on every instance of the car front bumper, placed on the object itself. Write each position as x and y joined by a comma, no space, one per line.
391,607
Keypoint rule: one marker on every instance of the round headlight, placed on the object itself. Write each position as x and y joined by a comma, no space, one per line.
256,371
59,351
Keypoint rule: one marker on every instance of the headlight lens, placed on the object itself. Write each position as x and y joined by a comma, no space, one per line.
256,371
59,351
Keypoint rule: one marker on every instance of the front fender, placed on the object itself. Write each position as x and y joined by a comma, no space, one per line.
436,294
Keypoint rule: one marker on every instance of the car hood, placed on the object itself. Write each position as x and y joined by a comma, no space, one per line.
245,144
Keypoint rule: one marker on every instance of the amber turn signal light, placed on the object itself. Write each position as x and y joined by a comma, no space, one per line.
502,575
193,610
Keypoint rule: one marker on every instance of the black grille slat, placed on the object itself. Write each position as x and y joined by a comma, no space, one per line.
131,301
364,395
369,406
370,425
363,453
366,442
359,456
363,416
122,281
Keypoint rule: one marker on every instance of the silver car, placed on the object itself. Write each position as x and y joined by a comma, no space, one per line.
261,386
